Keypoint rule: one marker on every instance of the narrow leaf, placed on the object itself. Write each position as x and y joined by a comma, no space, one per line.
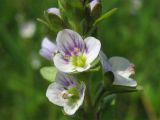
104,16
123,89
42,21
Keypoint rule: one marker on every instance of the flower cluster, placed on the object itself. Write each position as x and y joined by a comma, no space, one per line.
75,53
70,54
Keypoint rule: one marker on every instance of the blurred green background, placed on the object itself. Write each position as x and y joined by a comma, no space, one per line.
132,32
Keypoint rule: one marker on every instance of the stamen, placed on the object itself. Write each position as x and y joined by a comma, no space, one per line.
66,95
76,51
131,69
66,57
79,60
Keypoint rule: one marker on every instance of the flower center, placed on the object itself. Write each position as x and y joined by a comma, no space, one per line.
79,60
72,95
76,51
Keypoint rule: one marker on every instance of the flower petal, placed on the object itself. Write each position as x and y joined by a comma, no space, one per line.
63,65
104,61
70,110
120,80
55,94
122,66
68,40
122,69
92,50
45,53
119,63
55,11
65,80
48,48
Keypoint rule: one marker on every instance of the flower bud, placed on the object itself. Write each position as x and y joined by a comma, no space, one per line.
93,4
54,11
95,8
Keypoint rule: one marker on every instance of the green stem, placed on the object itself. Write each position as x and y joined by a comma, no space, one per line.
89,110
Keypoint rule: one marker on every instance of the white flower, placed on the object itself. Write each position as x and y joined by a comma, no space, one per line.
121,68
27,29
75,54
136,5
66,92
48,49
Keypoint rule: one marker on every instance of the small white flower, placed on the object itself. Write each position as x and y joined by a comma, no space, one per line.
75,54
121,68
35,62
27,29
136,5
66,92
54,11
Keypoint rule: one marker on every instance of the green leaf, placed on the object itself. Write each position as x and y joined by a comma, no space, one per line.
123,89
49,73
104,16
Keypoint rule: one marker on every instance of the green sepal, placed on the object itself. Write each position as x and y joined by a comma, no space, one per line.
95,13
124,89
108,84
94,69
95,62
105,16
49,73
108,79
55,22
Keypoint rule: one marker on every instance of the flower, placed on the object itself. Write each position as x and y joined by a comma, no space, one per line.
27,29
75,54
71,53
48,49
136,5
66,92
121,68
54,11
